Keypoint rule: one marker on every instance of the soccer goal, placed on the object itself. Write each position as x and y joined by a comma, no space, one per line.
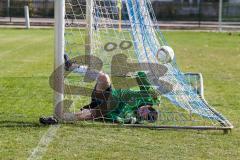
122,39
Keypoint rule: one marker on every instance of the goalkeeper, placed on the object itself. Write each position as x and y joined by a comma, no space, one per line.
116,105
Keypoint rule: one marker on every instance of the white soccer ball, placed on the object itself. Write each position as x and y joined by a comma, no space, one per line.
165,55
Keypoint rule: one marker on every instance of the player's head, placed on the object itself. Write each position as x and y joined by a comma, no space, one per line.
148,113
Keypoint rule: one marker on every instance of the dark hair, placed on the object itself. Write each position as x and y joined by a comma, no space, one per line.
153,115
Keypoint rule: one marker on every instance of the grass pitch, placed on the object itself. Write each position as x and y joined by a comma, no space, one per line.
27,61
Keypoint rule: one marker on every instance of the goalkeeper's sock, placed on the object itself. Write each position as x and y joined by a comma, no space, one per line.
91,74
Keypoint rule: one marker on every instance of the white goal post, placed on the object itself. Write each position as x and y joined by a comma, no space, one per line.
89,20
59,52
60,46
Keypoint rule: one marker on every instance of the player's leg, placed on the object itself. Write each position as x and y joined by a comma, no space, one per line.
100,96
143,81
62,115
95,109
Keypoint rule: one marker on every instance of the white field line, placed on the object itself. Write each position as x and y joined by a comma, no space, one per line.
42,146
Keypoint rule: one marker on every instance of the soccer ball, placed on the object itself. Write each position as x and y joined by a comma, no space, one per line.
165,55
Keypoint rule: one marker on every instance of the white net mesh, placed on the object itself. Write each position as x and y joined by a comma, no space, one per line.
122,39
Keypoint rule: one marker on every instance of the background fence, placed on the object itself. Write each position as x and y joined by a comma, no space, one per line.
174,10
37,9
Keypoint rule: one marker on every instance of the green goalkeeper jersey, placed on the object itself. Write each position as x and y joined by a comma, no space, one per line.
127,101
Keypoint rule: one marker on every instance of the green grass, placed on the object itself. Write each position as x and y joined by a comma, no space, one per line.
26,63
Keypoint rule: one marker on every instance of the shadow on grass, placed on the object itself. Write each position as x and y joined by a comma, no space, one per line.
102,125
14,124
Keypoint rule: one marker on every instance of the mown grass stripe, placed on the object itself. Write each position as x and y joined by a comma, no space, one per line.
42,146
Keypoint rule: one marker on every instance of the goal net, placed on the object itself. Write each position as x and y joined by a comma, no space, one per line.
122,39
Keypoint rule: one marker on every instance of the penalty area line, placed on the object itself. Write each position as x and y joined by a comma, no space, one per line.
42,146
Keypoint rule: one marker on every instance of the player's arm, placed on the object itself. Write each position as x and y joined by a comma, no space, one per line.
143,81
